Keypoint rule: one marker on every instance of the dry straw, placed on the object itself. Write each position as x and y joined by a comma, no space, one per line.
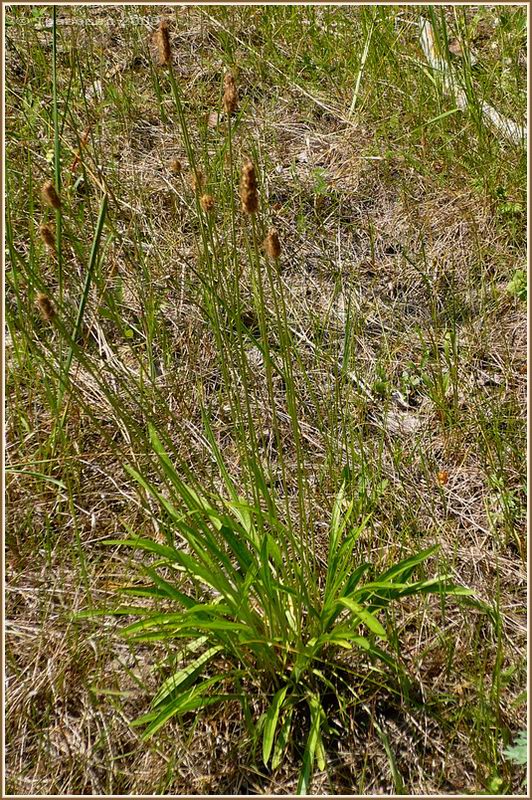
45,306
249,195
272,245
230,98
49,195
162,40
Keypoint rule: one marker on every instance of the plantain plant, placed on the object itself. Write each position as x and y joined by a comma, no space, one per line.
240,585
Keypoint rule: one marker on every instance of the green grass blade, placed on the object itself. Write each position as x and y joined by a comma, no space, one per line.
86,288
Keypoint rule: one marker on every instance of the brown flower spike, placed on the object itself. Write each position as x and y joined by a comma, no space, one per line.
272,245
207,202
162,40
249,195
230,98
47,236
49,195
45,306
175,166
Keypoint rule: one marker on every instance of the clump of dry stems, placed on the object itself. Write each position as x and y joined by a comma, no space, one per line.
249,195
49,195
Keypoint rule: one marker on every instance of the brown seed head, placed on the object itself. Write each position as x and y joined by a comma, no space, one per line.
45,306
207,202
163,43
272,245
47,236
175,166
443,477
249,195
230,98
49,195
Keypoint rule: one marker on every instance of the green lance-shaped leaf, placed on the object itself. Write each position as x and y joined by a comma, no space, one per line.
313,743
178,678
365,616
271,723
282,739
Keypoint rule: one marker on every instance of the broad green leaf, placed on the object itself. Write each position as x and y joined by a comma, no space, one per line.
130,611
270,724
284,589
175,680
409,563
365,616
169,589
275,552
142,591
437,585
190,700
320,752
345,640
153,620
330,605
40,475
144,544
150,488
169,467
238,547
218,456
189,704
242,511
373,586
215,580
305,775
282,739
